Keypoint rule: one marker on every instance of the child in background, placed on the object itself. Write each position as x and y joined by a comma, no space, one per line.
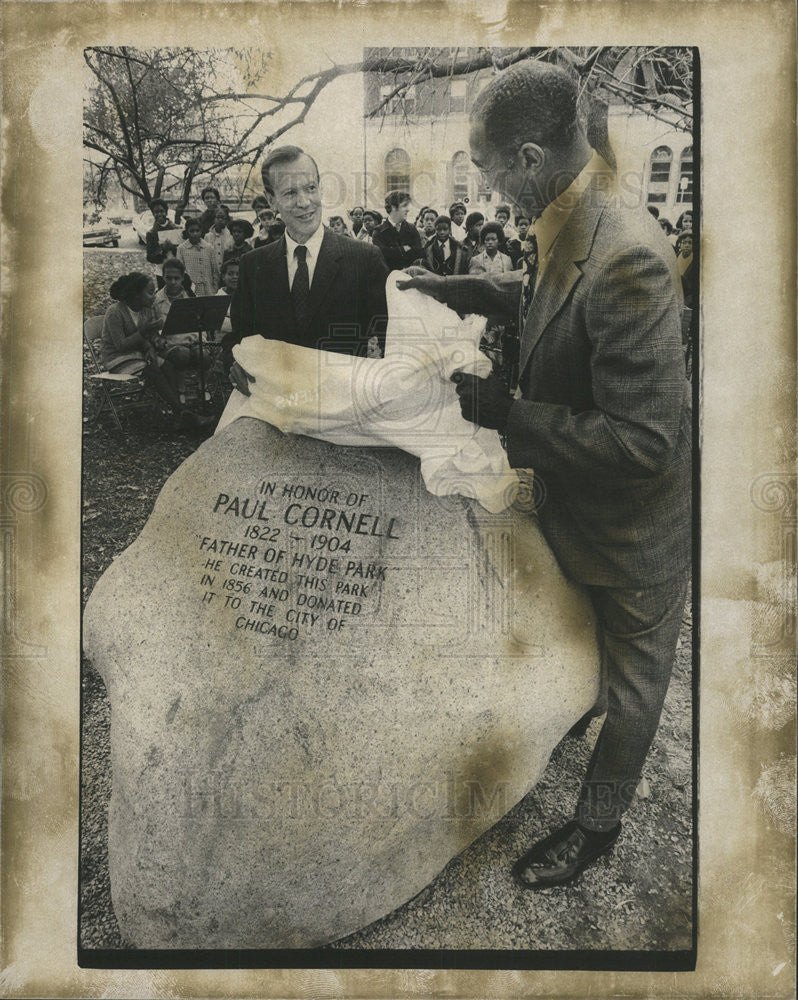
356,217
457,213
199,260
160,247
211,199
371,220
229,285
470,245
503,218
427,226
276,230
240,230
180,349
490,260
441,253
265,218
218,236
338,225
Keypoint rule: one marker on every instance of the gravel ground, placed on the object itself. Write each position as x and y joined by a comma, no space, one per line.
638,897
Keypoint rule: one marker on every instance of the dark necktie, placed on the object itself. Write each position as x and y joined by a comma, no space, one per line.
300,290
529,269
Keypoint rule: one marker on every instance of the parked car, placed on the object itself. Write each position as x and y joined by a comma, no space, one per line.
101,234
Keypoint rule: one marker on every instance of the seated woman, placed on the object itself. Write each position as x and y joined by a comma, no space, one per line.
180,350
129,343
490,260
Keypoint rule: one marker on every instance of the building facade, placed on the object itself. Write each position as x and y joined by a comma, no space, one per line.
418,142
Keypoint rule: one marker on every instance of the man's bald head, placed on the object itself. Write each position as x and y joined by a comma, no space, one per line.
532,101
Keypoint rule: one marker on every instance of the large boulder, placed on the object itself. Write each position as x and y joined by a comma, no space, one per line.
324,684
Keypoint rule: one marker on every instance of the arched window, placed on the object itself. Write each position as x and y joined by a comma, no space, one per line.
685,192
458,91
397,171
659,178
461,163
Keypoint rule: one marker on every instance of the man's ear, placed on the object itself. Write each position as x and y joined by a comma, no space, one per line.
534,156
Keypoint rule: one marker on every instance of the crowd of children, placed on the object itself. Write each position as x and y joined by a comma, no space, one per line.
204,259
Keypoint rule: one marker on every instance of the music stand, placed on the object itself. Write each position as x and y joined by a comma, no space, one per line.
201,314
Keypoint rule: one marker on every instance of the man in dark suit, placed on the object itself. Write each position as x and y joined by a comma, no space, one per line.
311,287
399,242
604,419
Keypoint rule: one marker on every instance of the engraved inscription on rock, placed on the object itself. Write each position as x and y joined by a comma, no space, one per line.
324,684
297,559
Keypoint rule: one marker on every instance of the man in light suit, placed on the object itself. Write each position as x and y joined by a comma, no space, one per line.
604,419
312,287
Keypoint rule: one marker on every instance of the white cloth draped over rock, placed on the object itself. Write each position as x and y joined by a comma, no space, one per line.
405,400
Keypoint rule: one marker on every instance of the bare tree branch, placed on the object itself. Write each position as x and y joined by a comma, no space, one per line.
179,107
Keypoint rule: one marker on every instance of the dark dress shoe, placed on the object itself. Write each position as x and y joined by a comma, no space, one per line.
560,857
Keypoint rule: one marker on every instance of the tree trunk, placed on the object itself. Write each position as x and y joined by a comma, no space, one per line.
159,182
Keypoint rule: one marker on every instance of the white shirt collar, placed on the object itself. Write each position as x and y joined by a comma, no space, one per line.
313,244
552,219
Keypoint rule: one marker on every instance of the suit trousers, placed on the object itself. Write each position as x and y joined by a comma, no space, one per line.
638,634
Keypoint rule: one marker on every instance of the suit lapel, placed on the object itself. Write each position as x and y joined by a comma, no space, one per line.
327,265
274,292
563,269
273,276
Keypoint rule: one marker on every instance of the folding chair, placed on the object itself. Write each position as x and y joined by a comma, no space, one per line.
117,392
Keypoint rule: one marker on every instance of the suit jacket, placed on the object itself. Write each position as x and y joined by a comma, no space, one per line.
435,264
391,241
347,297
605,417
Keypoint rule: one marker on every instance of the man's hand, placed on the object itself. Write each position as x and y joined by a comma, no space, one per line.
483,401
425,281
240,378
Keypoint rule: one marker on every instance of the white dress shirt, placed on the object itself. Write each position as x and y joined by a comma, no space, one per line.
448,250
314,246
